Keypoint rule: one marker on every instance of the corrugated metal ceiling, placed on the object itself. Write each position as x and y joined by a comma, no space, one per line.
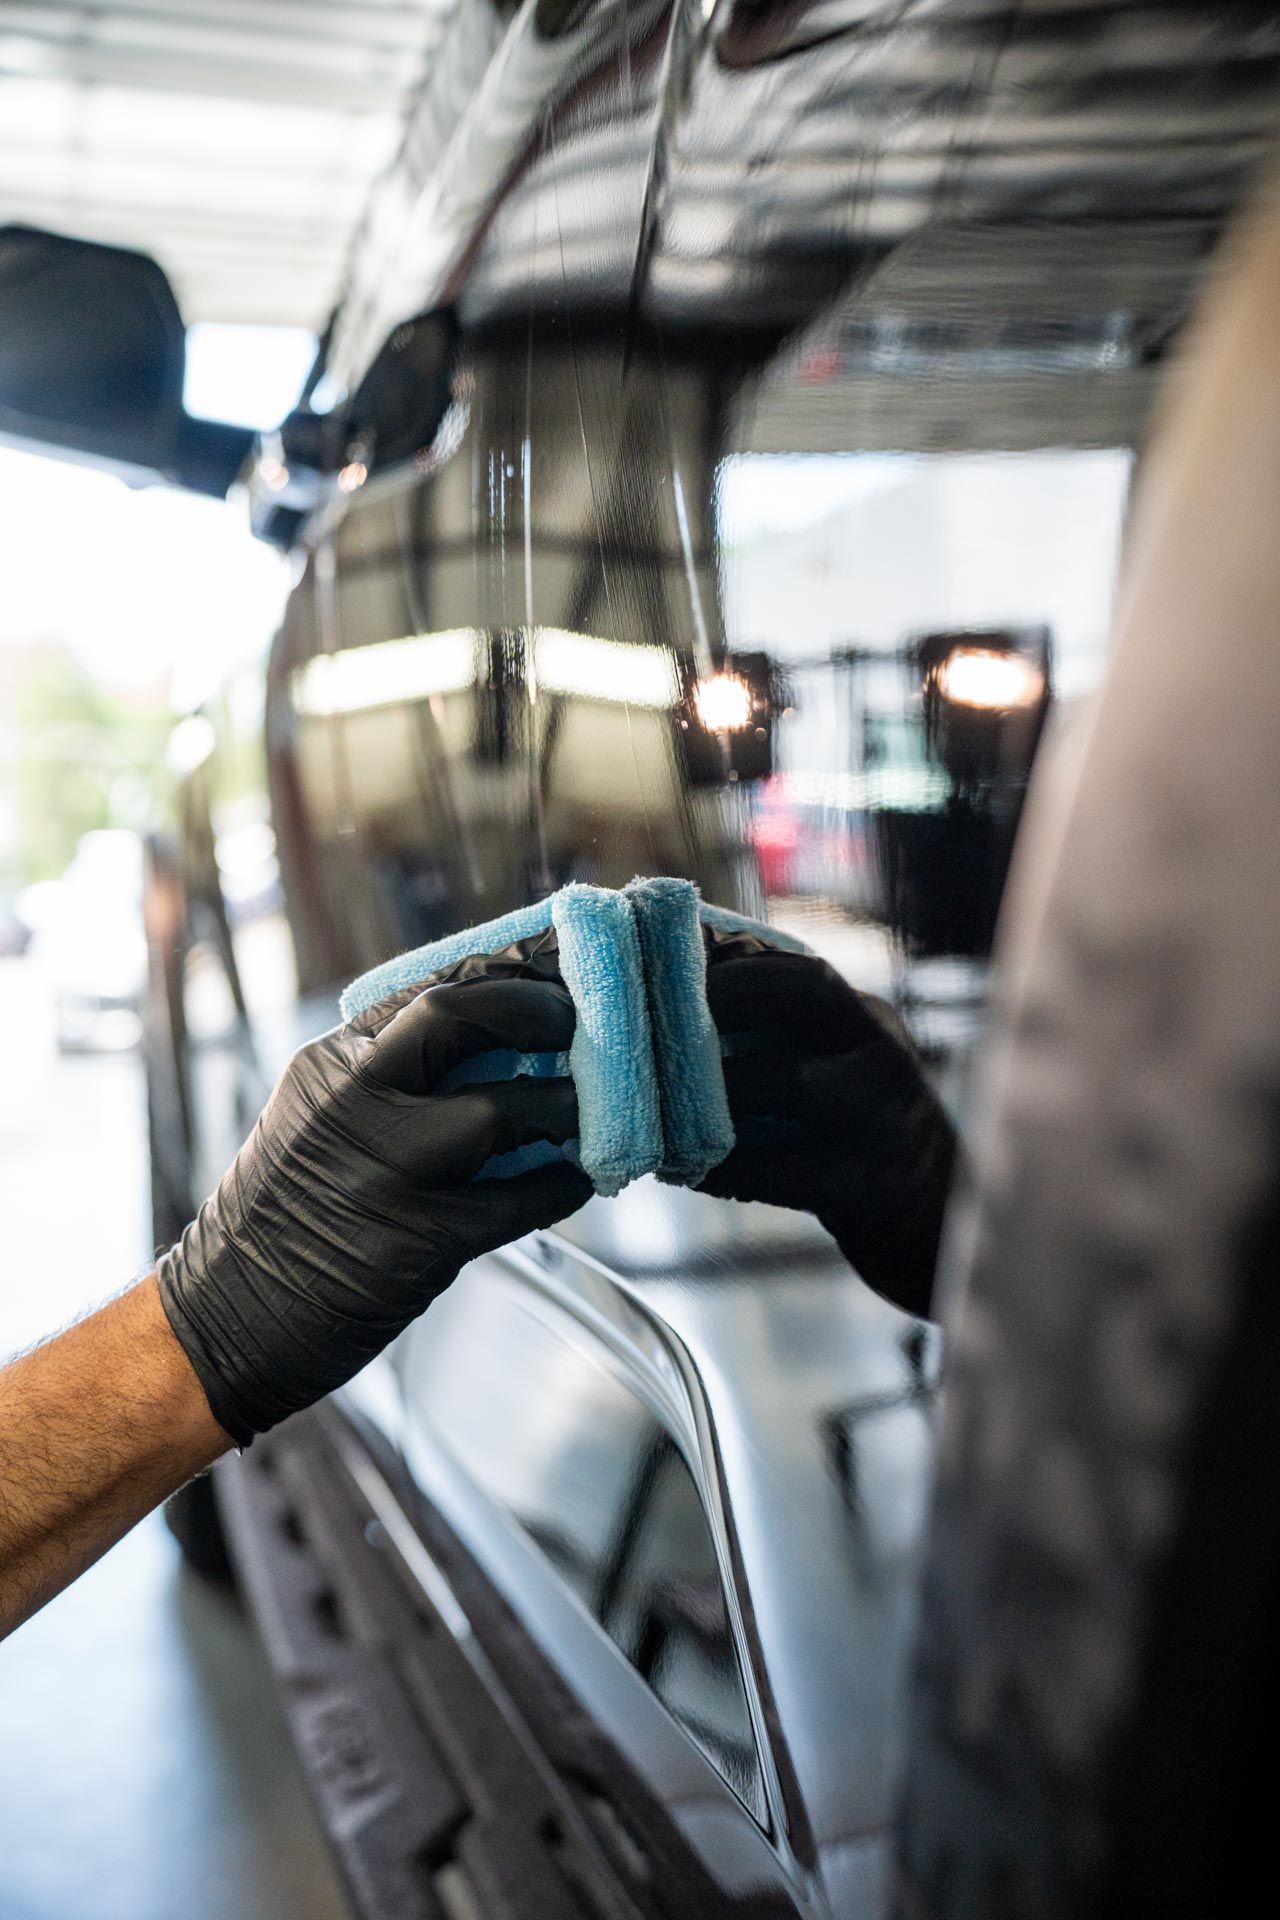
237,140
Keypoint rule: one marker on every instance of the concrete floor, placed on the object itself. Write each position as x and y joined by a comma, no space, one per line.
145,1772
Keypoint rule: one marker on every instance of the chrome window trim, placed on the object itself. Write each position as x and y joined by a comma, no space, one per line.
673,1395
696,1439
696,1796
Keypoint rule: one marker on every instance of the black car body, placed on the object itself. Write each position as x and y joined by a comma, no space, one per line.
732,410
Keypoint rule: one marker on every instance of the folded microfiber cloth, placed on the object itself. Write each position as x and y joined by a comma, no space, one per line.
645,1057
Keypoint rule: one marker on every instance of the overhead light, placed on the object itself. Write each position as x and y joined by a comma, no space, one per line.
723,703
993,681
596,669
389,673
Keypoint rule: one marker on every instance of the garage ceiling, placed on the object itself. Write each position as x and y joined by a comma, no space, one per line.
237,140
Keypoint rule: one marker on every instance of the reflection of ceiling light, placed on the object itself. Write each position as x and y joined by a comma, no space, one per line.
579,663
981,677
389,673
723,703
353,475
393,672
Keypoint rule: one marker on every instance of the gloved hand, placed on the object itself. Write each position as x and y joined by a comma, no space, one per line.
871,1151
352,1203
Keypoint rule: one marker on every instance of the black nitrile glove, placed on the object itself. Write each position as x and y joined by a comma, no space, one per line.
864,1143
353,1204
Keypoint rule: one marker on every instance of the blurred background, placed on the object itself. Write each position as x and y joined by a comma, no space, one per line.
144,1768
537,523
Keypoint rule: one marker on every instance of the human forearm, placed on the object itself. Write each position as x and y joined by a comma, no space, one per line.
353,1203
97,1427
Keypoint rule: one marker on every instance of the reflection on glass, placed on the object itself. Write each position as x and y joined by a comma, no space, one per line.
924,612
978,676
593,1477
723,702
603,635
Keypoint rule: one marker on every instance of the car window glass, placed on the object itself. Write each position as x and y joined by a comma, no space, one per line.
593,1477
810,673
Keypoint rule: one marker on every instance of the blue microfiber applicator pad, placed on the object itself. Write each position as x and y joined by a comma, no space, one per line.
697,1132
611,1059
645,1057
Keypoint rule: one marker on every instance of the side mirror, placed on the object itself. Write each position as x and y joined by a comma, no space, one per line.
92,358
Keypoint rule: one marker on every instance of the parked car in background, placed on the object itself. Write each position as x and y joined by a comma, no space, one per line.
717,466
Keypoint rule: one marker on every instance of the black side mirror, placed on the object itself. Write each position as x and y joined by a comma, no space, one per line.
92,358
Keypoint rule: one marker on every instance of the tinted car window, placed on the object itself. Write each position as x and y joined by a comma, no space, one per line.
532,1410
814,680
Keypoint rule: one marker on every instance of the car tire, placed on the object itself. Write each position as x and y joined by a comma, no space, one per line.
193,1519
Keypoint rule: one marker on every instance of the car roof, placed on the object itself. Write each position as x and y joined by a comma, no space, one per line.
799,145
